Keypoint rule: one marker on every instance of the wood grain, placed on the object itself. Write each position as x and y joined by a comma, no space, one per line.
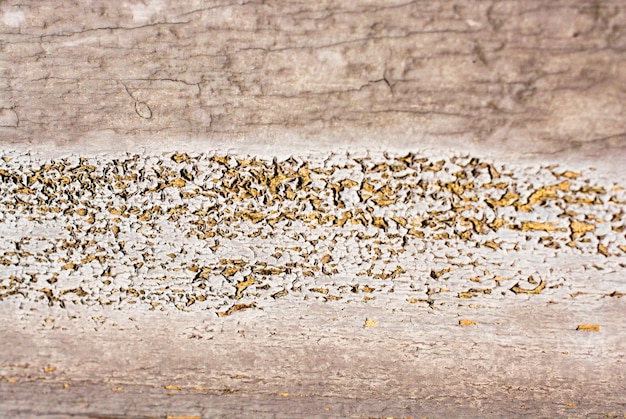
534,89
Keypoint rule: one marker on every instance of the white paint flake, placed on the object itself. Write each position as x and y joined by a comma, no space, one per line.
13,18
144,11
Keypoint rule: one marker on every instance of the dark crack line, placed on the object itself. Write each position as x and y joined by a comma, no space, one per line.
104,28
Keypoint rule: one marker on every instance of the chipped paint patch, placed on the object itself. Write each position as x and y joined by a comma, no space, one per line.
588,327
369,322
230,233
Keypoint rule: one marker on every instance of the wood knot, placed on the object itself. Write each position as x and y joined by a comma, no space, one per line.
143,110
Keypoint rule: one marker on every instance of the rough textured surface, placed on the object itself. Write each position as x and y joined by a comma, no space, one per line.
355,209
221,233
504,75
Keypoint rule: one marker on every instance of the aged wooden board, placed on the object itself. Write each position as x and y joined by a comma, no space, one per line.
324,209
509,75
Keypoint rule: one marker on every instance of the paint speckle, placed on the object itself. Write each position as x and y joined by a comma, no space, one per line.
231,234
588,327
369,322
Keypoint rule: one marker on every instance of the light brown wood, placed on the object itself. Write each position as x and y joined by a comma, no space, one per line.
536,89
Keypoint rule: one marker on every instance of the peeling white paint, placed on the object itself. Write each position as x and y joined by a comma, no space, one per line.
143,12
405,229
13,18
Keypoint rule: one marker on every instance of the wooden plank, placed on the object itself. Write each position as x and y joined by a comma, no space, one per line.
373,209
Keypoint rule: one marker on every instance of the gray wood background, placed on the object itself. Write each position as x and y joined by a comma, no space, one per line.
544,78
516,81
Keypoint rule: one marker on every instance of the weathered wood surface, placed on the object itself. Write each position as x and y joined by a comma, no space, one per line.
524,85
508,74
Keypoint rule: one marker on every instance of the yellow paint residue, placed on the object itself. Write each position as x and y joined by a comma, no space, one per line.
369,322
588,327
579,228
234,308
538,226
537,290
177,183
319,290
242,285
543,194
507,199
